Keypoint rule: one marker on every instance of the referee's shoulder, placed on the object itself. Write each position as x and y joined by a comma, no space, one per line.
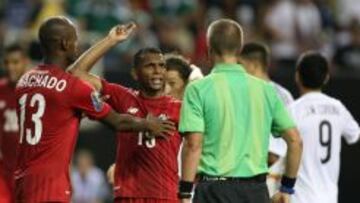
201,82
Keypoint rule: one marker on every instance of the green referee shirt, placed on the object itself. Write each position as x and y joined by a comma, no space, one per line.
236,113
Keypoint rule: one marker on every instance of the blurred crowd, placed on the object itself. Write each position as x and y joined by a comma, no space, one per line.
288,26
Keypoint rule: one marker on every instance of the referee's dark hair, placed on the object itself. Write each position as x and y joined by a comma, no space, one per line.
179,64
139,56
256,51
313,70
225,36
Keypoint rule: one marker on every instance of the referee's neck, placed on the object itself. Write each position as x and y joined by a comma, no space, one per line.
225,59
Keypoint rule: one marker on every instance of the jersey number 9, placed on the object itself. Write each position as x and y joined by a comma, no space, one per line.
325,133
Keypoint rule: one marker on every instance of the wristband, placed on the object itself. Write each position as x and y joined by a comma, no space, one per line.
287,190
184,195
288,182
185,189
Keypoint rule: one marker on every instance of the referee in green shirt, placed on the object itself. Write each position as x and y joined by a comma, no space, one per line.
226,119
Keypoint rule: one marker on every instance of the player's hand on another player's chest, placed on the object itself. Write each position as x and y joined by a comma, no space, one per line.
160,128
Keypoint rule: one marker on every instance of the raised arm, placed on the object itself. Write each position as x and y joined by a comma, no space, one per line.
86,61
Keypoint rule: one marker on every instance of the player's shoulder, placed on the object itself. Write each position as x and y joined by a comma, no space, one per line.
332,99
311,98
260,83
4,82
173,101
336,102
284,93
281,89
116,88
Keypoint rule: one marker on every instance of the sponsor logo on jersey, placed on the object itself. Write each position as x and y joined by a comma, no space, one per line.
132,110
96,101
163,117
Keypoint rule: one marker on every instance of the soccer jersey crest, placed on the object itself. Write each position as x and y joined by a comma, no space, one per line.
163,117
132,110
96,101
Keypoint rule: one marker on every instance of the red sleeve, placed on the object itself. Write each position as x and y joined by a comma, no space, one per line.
87,100
119,95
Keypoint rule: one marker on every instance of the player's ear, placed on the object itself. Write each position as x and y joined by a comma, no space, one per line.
64,44
327,78
297,79
133,74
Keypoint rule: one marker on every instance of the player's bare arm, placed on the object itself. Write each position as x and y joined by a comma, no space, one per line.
293,158
294,150
110,174
124,122
272,158
86,61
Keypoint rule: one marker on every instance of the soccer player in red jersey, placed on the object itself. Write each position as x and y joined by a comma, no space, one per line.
146,168
51,103
15,64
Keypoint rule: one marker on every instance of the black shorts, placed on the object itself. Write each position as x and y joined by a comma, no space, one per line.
231,191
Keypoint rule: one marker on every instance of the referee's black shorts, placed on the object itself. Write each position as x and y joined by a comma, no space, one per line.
231,190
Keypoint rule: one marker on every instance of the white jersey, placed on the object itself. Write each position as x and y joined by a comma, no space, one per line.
278,146
284,94
322,122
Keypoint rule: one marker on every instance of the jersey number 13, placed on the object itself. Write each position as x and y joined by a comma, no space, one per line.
38,100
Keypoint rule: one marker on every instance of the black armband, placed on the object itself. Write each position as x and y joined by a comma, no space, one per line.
288,182
185,189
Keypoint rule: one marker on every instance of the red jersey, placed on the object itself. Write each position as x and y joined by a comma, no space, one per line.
9,129
50,105
145,168
5,193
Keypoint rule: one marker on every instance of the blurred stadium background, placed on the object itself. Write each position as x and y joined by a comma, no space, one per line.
287,26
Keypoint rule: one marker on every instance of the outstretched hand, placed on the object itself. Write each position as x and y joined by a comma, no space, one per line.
121,33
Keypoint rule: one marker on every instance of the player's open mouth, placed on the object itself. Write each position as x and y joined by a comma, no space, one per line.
157,81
